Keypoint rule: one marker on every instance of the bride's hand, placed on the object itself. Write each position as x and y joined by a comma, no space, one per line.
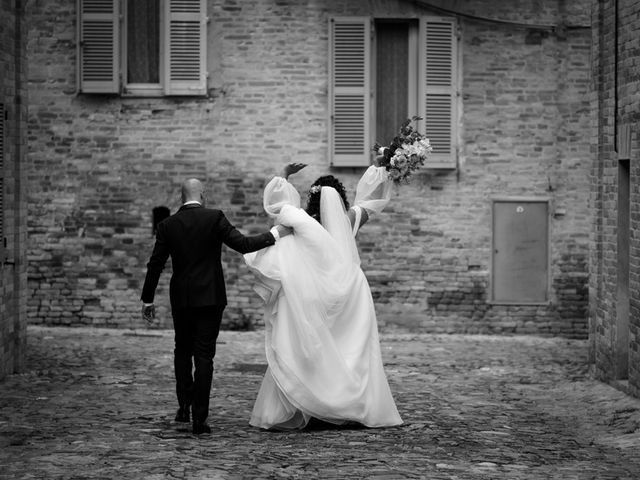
291,168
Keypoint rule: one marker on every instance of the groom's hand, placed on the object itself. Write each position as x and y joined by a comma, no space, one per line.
284,231
148,313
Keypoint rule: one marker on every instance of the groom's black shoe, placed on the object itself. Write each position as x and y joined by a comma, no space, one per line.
200,428
183,415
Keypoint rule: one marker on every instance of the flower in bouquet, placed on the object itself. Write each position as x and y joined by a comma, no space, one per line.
407,152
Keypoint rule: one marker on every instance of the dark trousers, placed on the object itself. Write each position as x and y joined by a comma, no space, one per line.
196,332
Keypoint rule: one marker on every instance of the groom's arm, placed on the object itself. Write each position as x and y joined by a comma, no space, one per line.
155,266
234,239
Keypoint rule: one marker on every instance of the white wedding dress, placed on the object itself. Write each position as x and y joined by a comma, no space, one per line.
322,342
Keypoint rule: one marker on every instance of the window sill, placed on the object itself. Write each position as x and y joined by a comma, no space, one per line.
518,304
141,90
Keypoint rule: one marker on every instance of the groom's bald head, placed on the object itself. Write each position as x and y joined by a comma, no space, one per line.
192,189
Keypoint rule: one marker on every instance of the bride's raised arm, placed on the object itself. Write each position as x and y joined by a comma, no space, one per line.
372,195
280,192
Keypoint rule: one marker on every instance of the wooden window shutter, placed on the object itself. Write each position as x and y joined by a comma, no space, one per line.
186,33
438,88
99,46
349,133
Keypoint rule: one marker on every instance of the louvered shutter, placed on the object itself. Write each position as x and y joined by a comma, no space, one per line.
438,94
186,47
350,138
99,46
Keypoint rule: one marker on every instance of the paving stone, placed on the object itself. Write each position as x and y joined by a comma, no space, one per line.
99,404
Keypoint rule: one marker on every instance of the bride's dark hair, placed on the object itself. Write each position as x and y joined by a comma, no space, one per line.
313,202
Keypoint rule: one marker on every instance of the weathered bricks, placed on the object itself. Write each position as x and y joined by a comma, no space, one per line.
615,103
100,164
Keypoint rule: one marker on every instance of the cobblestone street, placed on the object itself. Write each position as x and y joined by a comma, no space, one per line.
100,404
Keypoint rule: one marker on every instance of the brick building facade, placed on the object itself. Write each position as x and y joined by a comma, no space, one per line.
13,205
614,287
508,194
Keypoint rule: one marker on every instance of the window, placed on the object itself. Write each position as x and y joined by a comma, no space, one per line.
396,77
142,47
384,71
143,43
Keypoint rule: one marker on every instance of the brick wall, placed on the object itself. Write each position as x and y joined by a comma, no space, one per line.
13,272
101,164
616,105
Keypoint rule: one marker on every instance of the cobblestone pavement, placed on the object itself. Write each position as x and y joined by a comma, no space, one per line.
100,404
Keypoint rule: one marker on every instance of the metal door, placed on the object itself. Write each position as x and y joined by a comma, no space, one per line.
520,263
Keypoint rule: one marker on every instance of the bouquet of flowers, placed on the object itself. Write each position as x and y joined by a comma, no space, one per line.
406,153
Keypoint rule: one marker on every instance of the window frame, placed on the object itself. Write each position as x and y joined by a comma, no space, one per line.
417,98
102,55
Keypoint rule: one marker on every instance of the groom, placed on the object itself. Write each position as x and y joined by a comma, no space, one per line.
193,238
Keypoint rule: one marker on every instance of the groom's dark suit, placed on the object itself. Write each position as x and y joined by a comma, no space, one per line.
193,237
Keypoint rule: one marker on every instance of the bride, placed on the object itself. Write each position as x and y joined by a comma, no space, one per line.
322,342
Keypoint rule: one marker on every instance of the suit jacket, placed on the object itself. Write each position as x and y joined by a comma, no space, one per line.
193,237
